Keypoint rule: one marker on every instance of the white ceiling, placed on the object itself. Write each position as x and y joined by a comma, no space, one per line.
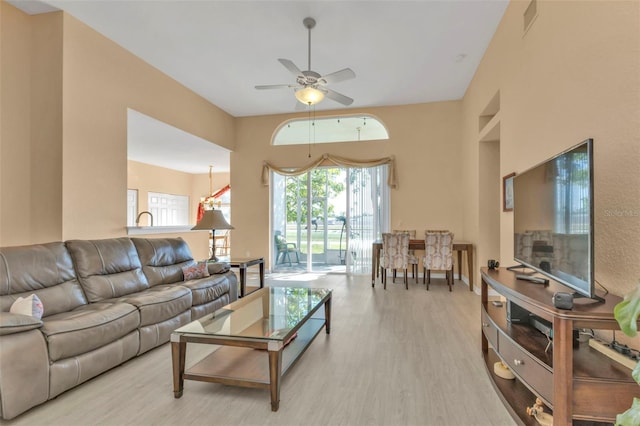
151,141
403,52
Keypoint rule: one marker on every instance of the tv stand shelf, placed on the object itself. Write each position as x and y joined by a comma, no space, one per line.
578,384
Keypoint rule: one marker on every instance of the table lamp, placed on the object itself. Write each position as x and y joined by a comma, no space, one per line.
212,220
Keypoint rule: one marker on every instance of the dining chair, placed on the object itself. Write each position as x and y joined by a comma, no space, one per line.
413,259
438,250
395,255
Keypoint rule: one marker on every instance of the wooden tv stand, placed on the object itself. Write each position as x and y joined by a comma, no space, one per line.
578,384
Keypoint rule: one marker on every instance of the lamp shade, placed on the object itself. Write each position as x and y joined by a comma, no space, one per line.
309,95
212,219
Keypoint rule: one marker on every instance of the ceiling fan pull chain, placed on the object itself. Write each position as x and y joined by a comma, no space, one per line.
309,144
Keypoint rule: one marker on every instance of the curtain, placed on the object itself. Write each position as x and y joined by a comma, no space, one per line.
338,161
368,214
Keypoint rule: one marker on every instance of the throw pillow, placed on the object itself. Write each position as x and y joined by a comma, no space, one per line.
193,272
30,306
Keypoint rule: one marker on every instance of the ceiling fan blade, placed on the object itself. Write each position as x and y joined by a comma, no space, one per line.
276,86
293,69
338,97
335,77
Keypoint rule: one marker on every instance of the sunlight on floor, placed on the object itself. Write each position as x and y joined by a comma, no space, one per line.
296,277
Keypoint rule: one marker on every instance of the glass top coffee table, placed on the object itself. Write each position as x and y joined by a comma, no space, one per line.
262,335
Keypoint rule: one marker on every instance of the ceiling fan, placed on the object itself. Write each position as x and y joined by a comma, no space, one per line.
310,87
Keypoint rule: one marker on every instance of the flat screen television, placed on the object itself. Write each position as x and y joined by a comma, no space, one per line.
553,218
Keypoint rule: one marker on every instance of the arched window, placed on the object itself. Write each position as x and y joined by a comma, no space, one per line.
349,128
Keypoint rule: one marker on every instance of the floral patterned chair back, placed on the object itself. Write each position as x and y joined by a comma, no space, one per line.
395,254
438,249
413,259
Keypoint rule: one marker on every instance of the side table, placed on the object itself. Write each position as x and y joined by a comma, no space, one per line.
242,264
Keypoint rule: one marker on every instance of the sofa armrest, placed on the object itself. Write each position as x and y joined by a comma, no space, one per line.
217,267
16,323
233,285
24,372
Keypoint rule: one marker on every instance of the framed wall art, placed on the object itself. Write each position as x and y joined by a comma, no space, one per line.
507,192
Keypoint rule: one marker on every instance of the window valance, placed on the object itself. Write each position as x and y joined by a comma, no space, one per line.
334,159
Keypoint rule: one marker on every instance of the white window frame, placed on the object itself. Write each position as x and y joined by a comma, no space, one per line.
168,209
330,129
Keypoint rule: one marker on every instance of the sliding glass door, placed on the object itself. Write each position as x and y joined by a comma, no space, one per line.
325,220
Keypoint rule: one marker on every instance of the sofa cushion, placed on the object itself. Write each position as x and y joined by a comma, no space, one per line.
157,334
198,311
42,269
107,268
163,258
69,372
160,303
88,327
205,290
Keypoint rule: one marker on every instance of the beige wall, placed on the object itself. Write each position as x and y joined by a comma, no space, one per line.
46,127
15,125
424,138
31,126
147,178
489,206
574,75
65,94
103,80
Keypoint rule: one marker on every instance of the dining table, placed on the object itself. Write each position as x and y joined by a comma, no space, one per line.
418,244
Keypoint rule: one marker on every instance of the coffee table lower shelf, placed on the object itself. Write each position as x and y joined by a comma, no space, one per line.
249,367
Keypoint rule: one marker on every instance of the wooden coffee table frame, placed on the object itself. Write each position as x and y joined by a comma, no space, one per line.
238,363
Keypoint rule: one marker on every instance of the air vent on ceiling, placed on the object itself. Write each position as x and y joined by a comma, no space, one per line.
530,15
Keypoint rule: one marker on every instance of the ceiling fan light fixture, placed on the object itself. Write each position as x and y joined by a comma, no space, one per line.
309,95
310,87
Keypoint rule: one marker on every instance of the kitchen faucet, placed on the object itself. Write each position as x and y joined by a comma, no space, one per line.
140,214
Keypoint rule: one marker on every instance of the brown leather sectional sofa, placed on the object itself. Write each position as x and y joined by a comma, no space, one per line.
105,301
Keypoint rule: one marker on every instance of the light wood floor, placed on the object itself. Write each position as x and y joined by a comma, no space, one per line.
393,357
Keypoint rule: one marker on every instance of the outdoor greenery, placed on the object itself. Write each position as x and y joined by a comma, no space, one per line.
325,184
324,207
317,238
626,313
